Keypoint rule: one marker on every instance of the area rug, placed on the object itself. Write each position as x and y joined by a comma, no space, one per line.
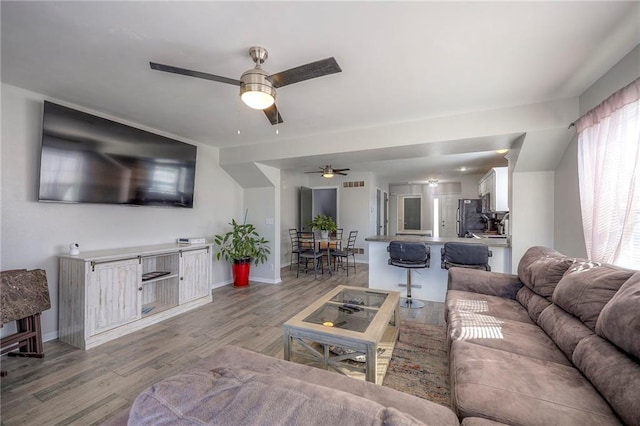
420,365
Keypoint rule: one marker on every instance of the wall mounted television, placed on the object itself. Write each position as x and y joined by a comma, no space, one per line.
89,159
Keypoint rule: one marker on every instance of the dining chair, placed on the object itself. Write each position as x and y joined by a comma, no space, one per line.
308,250
295,251
342,255
335,243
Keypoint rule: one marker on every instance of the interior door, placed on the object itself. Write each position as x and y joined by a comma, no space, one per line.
448,208
412,213
385,219
306,208
379,207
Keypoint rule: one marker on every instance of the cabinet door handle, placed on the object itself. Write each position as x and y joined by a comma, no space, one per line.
140,288
181,278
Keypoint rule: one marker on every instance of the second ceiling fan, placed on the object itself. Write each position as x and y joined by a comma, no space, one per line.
257,87
328,171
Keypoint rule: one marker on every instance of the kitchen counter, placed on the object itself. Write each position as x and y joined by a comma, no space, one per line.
427,283
491,240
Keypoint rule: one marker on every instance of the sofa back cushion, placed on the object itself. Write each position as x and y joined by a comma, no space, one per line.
238,396
544,274
619,321
534,303
541,268
531,255
613,373
587,287
564,329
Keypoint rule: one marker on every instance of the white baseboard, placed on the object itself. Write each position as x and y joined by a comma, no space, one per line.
50,336
265,280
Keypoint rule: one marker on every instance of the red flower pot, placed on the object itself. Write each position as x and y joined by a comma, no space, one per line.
241,274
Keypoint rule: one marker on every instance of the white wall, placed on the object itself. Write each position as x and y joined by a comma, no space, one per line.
357,210
260,204
34,233
290,183
620,75
532,215
568,232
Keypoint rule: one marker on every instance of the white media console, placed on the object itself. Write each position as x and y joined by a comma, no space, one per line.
109,293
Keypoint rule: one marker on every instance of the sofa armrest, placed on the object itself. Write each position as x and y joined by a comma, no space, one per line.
484,282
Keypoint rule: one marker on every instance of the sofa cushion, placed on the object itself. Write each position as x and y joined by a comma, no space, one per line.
534,303
236,357
619,321
243,397
531,255
491,283
543,274
613,373
563,328
507,335
587,287
520,390
496,306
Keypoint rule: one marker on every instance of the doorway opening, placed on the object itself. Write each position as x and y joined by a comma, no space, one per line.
411,213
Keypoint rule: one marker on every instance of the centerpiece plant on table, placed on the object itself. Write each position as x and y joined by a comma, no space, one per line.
324,224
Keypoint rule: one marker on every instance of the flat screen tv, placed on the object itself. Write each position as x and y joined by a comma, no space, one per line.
89,159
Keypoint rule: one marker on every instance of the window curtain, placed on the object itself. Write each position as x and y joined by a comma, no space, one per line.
609,178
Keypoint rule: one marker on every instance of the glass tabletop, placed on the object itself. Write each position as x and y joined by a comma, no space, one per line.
368,298
344,316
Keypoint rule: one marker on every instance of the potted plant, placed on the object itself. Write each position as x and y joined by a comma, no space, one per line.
241,246
324,224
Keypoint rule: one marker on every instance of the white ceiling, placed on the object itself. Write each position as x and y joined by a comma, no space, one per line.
401,62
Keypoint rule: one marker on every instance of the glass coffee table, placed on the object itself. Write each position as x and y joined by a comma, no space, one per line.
352,330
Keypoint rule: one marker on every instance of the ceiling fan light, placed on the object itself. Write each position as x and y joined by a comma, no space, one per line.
255,90
257,100
327,175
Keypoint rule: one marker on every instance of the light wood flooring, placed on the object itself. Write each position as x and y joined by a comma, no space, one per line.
72,386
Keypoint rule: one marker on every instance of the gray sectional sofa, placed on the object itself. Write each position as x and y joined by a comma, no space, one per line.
556,344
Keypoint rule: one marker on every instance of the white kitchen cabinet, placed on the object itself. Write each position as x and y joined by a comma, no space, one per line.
109,293
496,183
195,269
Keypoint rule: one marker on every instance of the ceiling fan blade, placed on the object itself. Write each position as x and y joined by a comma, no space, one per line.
305,72
273,114
191,73
339,173
340,170
319,171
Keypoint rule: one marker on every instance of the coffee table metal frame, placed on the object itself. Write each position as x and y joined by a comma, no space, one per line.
381,333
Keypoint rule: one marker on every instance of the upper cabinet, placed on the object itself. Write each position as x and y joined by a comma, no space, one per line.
495,184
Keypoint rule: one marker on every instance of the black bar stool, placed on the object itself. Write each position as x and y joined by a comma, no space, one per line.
409,255
465,255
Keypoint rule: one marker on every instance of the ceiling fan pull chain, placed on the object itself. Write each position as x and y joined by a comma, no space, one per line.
275,102
238,115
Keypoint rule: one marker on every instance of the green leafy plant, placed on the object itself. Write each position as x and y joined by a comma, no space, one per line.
242,244
323,223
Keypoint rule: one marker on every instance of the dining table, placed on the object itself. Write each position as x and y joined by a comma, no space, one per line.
328,243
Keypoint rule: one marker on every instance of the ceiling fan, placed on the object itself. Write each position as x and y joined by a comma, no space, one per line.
257,87
328,172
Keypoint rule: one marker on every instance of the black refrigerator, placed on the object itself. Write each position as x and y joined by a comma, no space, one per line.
469,217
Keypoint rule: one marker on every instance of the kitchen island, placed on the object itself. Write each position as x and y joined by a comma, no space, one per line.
429,283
